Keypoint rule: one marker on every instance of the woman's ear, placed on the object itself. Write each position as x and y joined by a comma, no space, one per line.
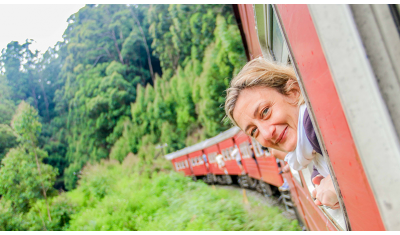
294,93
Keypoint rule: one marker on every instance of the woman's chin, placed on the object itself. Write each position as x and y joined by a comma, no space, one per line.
289,147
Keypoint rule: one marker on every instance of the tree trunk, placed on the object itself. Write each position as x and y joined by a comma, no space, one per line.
145,44
43,189
33,90
117,47
46,102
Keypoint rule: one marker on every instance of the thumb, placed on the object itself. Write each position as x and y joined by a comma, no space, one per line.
317,179
317,202
314,193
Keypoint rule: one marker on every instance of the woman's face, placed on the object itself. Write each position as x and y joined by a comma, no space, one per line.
268,116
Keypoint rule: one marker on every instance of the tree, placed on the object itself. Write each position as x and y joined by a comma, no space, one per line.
26,125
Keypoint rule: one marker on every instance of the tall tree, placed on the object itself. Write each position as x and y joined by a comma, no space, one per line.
26,124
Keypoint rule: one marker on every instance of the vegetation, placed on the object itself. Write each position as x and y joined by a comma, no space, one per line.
113,196
125,79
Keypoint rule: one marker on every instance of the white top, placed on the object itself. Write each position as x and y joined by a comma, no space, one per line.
220,161
304,154
235,154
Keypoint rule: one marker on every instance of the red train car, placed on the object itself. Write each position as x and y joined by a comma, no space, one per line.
267,165
199,166
345,58
181,164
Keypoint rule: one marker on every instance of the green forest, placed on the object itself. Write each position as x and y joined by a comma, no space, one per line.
79,124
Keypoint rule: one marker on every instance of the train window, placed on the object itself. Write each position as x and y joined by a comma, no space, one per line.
336,216
187,164
244,148
277,39
200,160
267,152
224,154
176,166
257,148
230,150
211,157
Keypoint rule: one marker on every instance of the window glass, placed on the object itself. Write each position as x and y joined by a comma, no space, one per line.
257,148
244,148
277,39
224,154
211,157
187,164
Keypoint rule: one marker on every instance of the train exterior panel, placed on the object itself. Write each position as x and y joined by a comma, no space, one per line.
269,170
249,164
231,165
198,164
267,165
181,164
212,153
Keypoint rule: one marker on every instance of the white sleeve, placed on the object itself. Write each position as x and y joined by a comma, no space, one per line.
295,162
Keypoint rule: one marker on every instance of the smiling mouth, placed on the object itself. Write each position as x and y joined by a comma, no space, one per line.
281,136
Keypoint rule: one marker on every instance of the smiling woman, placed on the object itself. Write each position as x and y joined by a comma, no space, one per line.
265,101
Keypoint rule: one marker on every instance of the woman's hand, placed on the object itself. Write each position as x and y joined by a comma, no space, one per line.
286,169
325,193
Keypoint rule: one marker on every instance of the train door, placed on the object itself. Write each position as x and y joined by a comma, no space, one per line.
196,160
226,147
212,153
267,164
248,161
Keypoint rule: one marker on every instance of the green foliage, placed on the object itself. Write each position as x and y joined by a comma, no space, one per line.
8,139
163,201
7,106
20,180
96,97
26,125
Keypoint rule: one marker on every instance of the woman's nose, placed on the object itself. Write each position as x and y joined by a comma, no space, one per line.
267,132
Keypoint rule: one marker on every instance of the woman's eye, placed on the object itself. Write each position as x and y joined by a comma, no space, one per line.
253,131
265,112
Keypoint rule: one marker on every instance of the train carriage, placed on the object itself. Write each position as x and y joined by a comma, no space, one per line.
211,153
267,165
199,166
249,163
227,146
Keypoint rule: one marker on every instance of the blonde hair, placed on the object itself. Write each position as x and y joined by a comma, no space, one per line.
261,73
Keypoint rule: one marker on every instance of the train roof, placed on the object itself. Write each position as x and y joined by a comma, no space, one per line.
204,144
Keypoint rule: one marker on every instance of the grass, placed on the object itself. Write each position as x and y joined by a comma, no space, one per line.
114,196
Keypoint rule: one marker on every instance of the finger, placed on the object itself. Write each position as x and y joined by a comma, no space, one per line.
286,169
314,193
317,202
336,206
317,179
